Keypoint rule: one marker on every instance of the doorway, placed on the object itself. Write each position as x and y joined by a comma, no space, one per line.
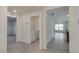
59,41
35,31
11,31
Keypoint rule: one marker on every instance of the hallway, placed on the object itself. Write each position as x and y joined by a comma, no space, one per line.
59,44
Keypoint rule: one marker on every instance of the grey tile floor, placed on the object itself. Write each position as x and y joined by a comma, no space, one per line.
11,39
21,47
56,45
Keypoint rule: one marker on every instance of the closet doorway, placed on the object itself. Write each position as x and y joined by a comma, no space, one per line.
11,30
35,31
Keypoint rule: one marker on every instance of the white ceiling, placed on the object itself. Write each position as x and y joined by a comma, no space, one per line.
23,9
60,14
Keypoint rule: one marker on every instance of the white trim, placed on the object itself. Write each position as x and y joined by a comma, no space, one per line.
12,16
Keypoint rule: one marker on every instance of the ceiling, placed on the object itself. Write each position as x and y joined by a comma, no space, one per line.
60,14
22,9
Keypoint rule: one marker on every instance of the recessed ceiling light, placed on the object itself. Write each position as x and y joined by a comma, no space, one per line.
14,10
68,15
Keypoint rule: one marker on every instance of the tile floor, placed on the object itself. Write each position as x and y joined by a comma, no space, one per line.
21,47
11,39
57,45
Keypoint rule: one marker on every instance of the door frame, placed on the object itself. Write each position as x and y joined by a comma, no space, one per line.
45,24
38,13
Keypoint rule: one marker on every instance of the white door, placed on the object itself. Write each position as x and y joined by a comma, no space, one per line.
3,29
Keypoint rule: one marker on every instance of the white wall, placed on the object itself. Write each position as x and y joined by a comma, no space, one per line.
74,29
3,29
24,26
50,26
19,28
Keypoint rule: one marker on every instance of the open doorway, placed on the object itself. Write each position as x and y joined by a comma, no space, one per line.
35,31
11,31
59,42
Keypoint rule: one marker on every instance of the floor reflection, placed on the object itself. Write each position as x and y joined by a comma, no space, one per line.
58,44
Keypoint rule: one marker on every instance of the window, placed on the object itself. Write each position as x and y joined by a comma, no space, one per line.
56,26
59,27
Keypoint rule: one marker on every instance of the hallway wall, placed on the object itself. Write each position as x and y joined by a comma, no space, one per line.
50,26
25,26
3,29
74,29
23,31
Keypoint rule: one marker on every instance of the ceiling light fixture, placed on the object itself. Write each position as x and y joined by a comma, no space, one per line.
68,15
14,10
